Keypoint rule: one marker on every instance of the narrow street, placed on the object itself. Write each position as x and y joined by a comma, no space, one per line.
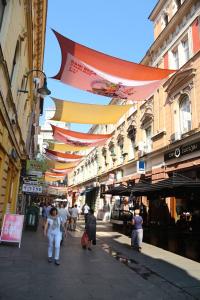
112,270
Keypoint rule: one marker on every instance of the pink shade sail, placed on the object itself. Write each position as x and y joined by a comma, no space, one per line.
101,74
77,138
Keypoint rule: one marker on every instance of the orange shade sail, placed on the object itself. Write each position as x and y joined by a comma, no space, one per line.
102,74
62,157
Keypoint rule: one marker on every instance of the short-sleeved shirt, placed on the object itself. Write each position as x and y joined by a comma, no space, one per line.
54,225
137,222
74,212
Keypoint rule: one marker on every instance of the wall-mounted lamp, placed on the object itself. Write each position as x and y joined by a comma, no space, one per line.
42,90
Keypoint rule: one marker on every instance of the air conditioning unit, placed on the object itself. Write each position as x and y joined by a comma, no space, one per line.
175,137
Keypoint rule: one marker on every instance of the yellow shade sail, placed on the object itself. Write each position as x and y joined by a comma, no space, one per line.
74,112
57,165
49,179
65,147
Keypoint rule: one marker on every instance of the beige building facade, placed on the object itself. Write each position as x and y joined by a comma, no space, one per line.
162,131
22,39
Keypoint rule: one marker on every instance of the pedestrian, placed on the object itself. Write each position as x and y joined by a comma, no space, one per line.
53,231
90,229
49,206
44,215
74,217
86,209
64,215
137,233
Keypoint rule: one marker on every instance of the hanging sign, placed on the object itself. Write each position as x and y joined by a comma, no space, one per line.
141,167
12,228
28,188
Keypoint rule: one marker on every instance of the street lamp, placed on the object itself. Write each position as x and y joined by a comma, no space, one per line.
42,90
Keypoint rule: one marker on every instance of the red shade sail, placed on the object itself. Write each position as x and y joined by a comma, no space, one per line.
96,72
77,138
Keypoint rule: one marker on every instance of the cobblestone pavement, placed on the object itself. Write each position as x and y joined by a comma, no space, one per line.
112,270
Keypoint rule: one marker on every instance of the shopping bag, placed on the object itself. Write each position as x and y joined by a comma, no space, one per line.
84,240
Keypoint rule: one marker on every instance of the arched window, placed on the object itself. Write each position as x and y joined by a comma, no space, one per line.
185,114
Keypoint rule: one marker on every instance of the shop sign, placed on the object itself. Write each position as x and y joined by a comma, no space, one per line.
182,150
28,188
12,228
141,167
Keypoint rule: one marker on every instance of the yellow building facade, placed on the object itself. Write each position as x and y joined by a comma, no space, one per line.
164,130
22,39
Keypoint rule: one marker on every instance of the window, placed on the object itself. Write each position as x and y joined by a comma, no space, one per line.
185,46
175,58
178,4
166,19
2,10
185,114
15,61
148,141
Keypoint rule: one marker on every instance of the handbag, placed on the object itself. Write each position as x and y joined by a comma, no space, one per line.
84,240
94,242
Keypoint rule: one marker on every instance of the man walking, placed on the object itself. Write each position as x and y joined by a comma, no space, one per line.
137,233
74,217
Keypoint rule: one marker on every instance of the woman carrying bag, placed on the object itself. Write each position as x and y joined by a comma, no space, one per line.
90,229
52,230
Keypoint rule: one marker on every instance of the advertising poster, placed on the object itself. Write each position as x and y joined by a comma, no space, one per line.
12,228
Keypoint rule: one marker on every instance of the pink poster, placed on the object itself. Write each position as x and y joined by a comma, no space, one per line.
12,228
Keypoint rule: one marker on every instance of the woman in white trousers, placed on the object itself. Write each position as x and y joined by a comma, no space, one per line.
52,230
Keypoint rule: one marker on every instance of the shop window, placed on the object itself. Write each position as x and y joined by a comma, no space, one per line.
185,114
2,10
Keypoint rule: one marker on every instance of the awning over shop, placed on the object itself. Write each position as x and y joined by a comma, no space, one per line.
98,73
121,190
74,112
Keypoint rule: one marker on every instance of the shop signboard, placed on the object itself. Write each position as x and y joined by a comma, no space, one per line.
182,150
12,228
141,167
28,188
36,168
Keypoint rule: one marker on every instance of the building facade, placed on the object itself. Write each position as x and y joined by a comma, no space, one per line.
22,39
46,132
163,132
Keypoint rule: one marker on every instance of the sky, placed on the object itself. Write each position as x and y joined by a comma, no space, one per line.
114,27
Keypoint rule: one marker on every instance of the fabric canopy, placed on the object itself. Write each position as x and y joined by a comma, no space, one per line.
62,171
96,72
74,112
79,139
62,157
65,147
55,175
50,179
59,165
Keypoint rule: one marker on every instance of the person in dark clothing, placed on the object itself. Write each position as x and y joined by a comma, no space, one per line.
91,229
137,233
